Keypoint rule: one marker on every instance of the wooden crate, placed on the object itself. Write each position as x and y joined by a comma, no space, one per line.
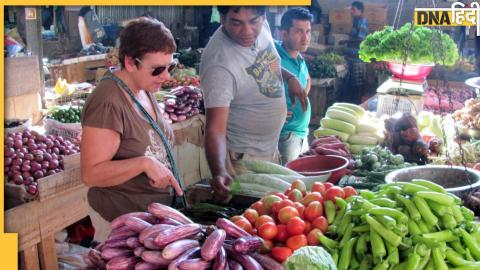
79,69
48,186
37,222
51,185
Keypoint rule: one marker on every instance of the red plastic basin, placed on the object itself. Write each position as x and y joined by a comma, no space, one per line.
411,72
320,165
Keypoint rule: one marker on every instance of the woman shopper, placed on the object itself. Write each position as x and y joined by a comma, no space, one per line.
126,159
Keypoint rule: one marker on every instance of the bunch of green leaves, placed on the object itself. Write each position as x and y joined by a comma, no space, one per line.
323,65
423,48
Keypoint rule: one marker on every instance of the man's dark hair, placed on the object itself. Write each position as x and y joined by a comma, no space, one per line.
260,10
358,5
298,13
145,35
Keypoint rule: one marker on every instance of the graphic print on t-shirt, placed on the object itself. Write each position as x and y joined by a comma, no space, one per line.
156,149
266,72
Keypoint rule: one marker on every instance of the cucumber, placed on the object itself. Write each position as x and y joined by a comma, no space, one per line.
342,114
356,149
344,109
366,128
264,180
326,131
338,125
363,139
305,179
250,188
358,109
261,166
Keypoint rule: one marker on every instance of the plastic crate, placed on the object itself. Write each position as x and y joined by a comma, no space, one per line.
390,104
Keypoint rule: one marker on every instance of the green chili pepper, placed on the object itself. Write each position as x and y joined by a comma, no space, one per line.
425,260
346,221
439,236
427,214
327,242
471,244
457,214
384,202
348,234
383,211
430,185
413,261
457,246
330,211
413,227
378,247
389,236
393,257
346,254
439,209
361,228
361,246
438,260
449,221
413,188
382,266
467,213
386,221
366,263
456,259
412,210
437,197
367,194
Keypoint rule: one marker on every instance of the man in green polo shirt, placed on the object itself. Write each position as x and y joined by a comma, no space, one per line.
295,38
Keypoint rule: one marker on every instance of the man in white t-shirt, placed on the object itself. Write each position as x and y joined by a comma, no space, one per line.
241,77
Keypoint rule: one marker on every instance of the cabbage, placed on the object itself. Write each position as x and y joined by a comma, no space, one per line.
310,258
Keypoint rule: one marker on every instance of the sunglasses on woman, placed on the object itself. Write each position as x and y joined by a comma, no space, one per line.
159,70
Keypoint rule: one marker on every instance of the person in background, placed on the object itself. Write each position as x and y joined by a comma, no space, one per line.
295,32
125,158
244,97
357,69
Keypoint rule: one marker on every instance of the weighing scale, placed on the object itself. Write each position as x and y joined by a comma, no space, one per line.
475,83
405,87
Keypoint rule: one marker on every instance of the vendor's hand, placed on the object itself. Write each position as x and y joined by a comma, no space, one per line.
221,187
296,90
160,176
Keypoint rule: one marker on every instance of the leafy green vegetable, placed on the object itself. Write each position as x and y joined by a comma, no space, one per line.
323,66
389,45
310,258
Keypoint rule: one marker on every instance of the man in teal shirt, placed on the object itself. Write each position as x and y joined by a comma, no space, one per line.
296,35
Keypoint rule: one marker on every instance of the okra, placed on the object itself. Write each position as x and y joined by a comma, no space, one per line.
346,254
425,211
389,236
330,211
412,210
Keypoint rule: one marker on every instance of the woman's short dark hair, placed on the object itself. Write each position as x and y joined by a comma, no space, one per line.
298,13
260,10
145,35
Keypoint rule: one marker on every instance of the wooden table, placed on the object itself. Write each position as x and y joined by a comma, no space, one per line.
37,222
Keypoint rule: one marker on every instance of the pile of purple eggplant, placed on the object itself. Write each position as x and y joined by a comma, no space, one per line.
182,103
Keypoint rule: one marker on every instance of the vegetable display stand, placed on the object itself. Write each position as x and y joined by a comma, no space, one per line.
36,223
189,151
78,69
48,186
